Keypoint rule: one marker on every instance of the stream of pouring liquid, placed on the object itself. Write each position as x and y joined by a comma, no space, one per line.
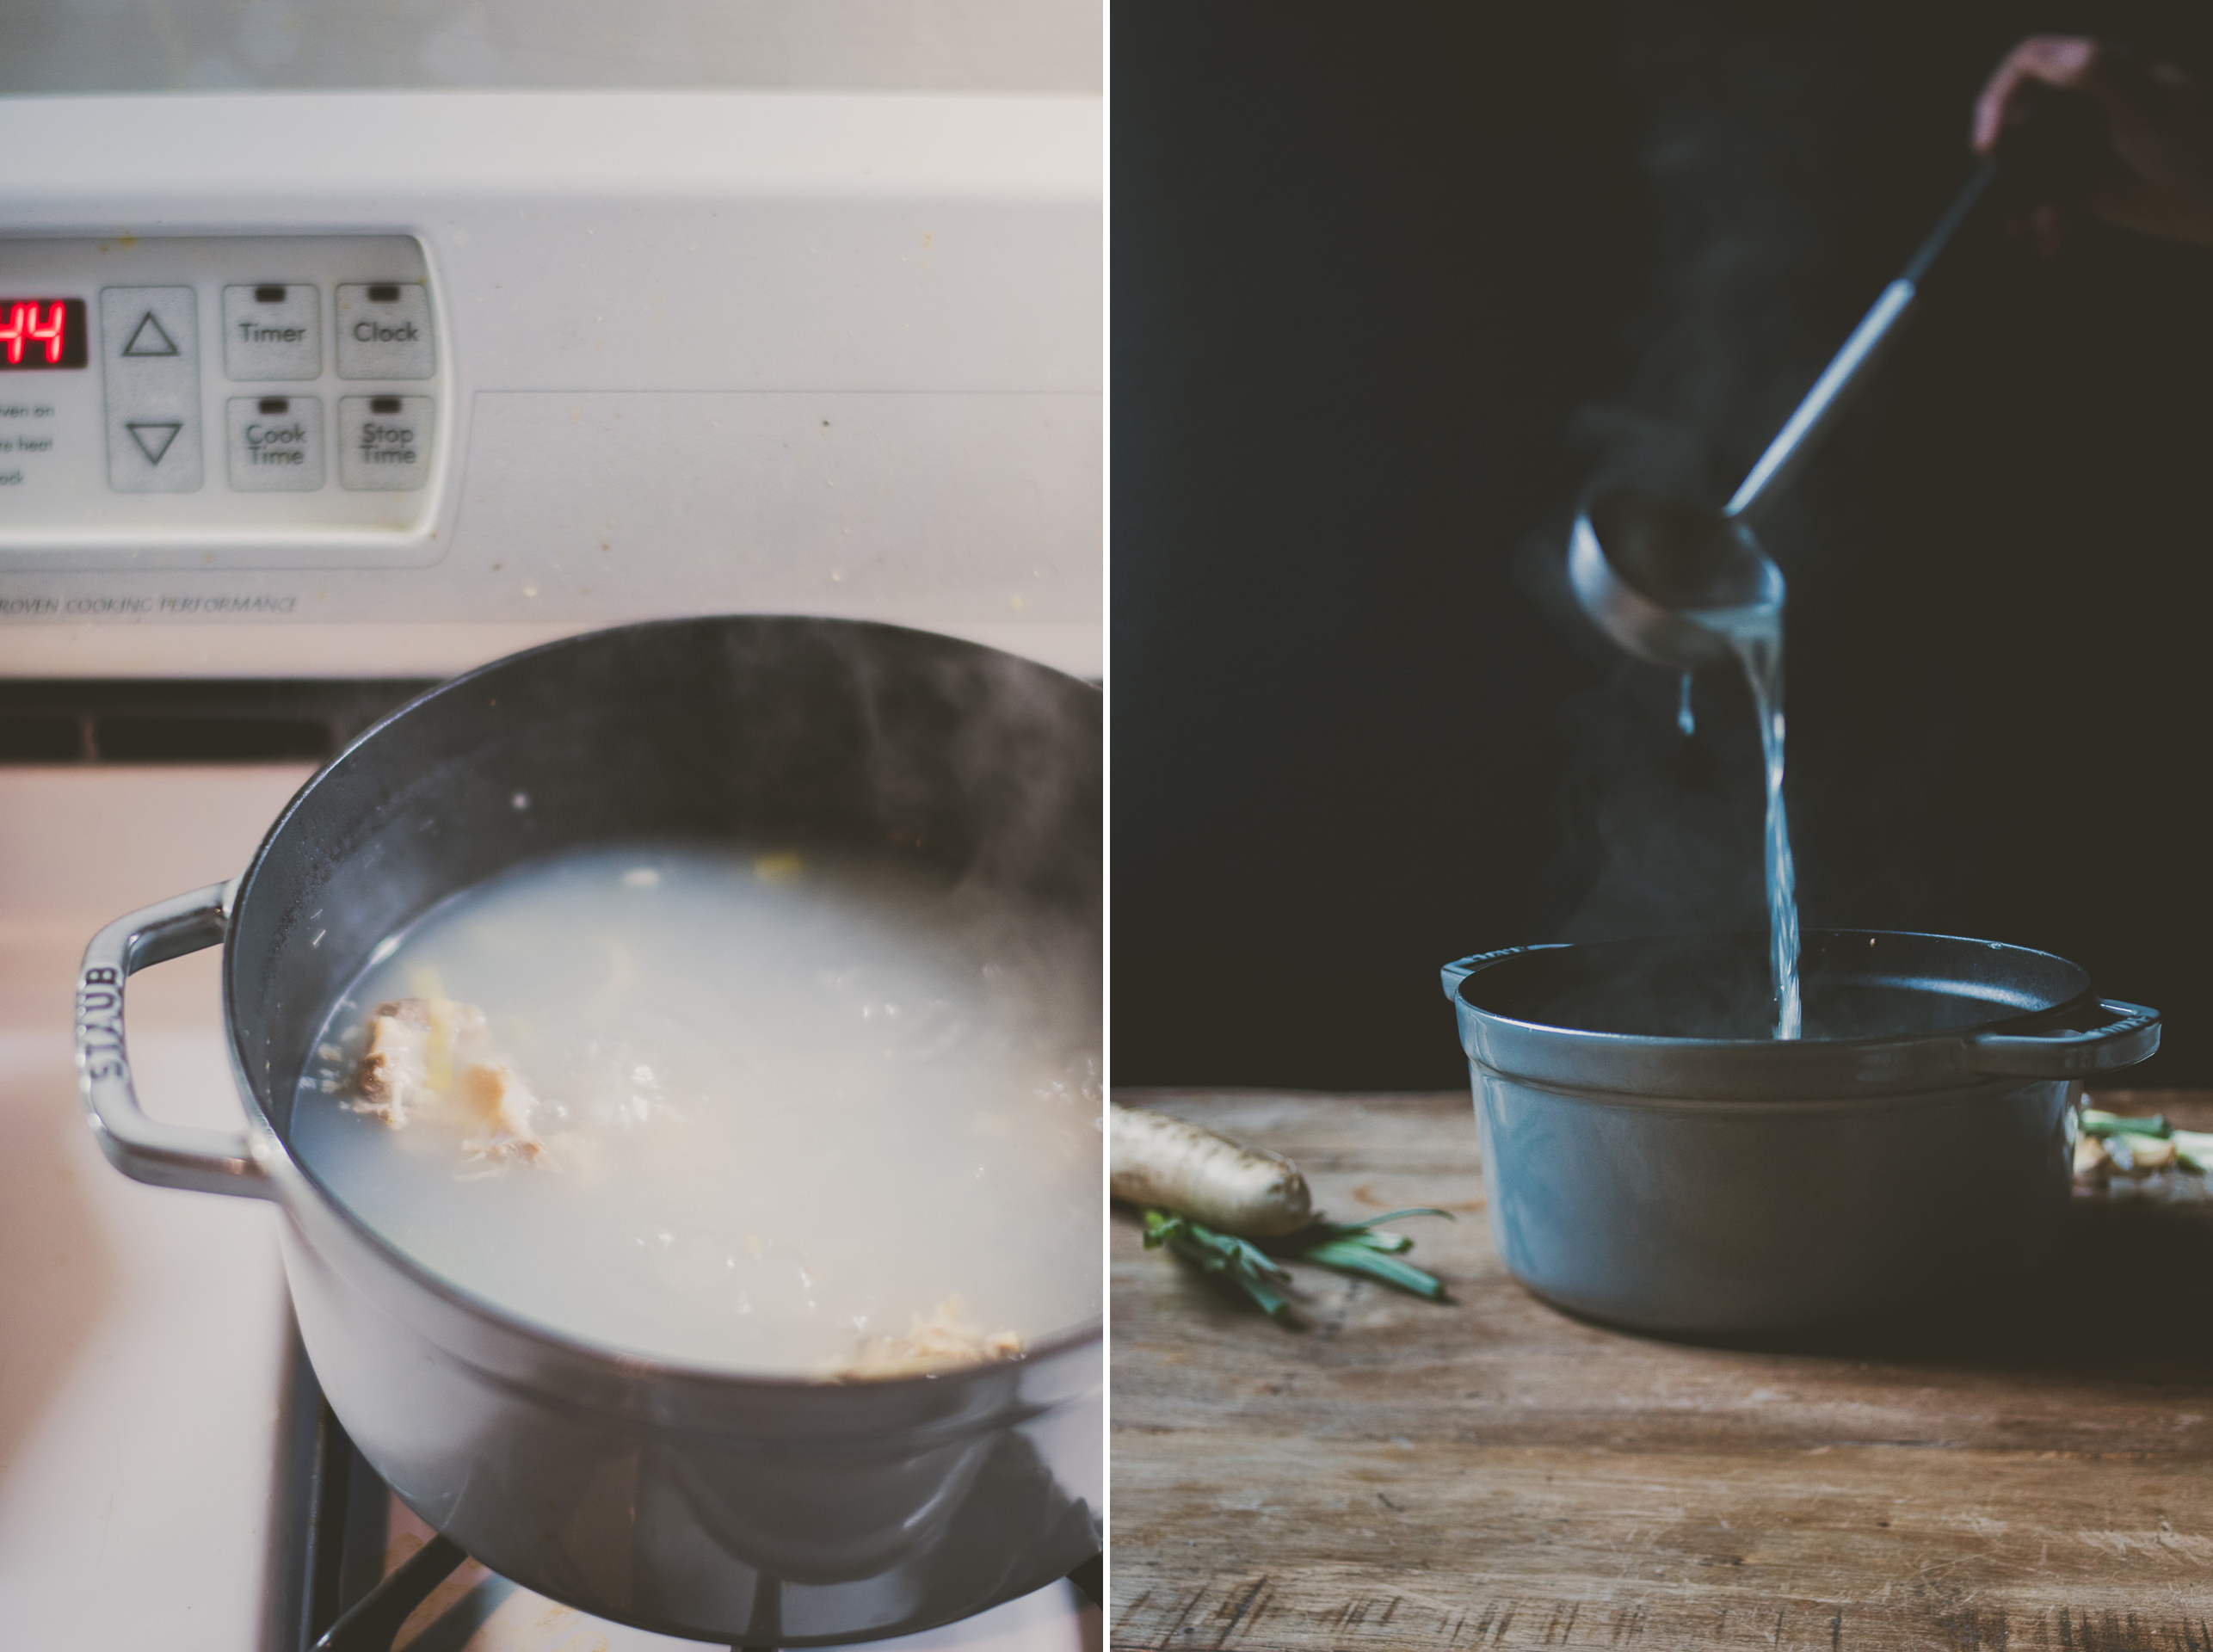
1756,635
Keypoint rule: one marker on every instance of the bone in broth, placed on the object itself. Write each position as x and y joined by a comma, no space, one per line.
787,1114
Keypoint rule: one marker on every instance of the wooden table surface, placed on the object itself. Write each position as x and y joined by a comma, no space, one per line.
2026,1471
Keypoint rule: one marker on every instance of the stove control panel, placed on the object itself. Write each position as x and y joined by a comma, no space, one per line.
246,392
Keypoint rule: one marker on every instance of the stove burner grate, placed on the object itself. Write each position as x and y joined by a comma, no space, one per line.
345,1611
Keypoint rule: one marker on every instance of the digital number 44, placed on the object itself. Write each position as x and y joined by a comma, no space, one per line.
23,327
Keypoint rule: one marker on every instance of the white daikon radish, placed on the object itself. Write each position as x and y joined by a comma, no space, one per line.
1171,1165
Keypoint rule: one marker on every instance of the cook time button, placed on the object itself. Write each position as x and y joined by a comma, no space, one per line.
276,444
384,330
384,442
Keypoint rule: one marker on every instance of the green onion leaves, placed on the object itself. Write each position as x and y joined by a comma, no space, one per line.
1222,1256
2106,1125
2193,1148
1347,1247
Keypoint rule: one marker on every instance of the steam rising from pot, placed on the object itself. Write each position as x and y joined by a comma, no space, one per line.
1744,128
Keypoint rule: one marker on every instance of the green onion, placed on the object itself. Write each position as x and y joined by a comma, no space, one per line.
1347,1247
1348,1256
1356,1248
2193,1150
1222,1256
2105,1125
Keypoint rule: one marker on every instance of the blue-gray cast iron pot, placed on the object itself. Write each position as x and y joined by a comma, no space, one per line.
1654,1159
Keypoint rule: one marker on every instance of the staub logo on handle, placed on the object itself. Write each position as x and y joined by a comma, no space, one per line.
150,1149
100,993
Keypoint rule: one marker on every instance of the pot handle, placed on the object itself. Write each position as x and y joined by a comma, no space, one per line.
2122,1042
146,1149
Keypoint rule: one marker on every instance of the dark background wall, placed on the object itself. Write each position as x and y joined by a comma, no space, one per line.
1391,284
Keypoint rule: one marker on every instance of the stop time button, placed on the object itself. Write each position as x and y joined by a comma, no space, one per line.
384,442
384,330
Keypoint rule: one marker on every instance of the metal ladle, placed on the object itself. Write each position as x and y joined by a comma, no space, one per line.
1653,570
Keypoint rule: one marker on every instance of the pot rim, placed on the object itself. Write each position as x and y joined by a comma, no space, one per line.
1881,1041
2056,1028
632,1363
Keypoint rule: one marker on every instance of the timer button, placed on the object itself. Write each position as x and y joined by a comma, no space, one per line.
272,329
277,443
384,442
383,331
150,358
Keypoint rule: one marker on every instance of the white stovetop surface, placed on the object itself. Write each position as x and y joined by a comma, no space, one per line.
144,1332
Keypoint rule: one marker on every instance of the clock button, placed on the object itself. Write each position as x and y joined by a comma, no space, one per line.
384,330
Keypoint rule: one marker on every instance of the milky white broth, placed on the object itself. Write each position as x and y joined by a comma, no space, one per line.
789,1103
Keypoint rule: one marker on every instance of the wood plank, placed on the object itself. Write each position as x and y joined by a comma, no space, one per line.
2027,1468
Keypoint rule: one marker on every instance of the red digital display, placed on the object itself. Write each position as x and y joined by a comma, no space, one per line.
36,334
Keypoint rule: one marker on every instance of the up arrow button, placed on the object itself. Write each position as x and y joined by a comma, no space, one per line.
150,338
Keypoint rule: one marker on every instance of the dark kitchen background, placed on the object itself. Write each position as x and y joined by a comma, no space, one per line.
1392,283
